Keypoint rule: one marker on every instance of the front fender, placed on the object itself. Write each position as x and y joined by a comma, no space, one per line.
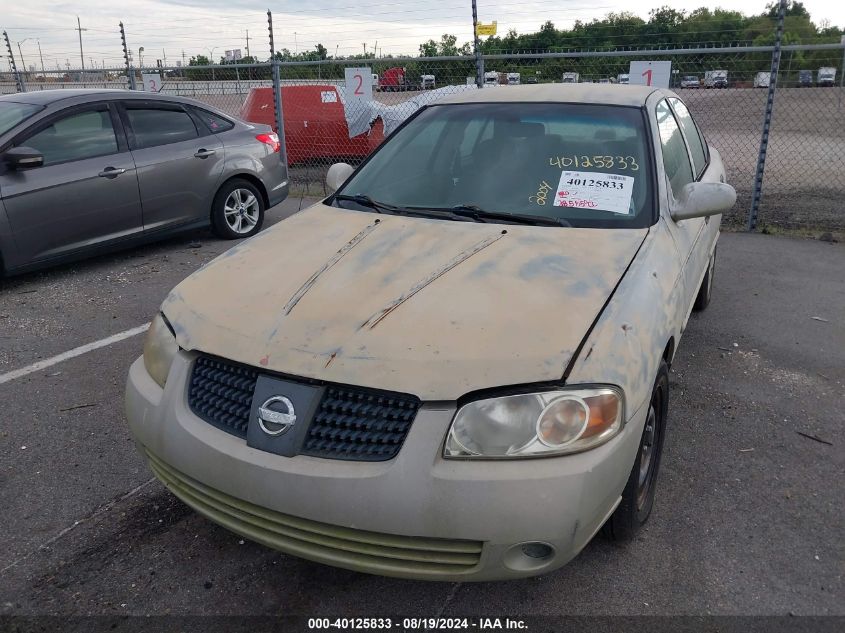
627,343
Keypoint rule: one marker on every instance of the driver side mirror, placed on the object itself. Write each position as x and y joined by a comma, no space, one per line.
337,175
700,199
23,158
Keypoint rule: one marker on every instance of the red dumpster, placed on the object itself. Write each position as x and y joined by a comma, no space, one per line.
315,125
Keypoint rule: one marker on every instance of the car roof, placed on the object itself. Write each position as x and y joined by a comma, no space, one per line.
49,97
609,94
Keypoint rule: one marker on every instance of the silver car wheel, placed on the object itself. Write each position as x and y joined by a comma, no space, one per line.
241,211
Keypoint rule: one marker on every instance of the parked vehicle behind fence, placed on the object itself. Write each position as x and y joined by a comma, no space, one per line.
82,171
716,79
690,81
827,76
762,79
805,78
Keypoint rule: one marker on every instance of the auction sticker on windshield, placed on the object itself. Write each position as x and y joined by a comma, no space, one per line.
591,190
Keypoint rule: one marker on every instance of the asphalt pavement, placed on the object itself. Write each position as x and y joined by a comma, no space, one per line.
748,518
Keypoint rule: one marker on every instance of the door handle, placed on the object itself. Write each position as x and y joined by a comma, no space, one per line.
204,153
111,172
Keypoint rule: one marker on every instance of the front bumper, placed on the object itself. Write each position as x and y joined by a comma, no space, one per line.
415,516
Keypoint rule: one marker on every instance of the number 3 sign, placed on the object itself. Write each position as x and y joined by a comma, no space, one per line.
152,82
359,84
650,73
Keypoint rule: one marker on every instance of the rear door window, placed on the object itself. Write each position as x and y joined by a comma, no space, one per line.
160,126
77,136
676,161
214,122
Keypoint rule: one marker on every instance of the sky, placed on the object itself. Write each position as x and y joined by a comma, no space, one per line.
169,29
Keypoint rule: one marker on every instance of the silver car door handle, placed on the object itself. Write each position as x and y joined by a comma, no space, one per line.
111,172
204,153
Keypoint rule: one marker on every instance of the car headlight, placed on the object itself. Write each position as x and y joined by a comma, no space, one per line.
536,424
160,349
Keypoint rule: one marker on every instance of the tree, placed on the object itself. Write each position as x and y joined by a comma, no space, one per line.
428,49
795,9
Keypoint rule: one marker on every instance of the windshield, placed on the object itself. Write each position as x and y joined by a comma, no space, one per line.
13,113
584,164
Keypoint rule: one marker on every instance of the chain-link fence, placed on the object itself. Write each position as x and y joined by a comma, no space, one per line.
324,121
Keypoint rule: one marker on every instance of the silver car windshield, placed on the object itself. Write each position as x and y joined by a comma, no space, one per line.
13,113
587,165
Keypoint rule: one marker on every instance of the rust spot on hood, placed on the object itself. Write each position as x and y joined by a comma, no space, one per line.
376,318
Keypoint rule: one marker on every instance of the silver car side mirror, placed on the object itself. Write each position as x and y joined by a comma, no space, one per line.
700,199
337,175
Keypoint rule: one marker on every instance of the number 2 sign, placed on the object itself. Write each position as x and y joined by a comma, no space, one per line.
152,82
647,73
359,84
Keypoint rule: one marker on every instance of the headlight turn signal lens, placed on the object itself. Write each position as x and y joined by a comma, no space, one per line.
536,424
160,349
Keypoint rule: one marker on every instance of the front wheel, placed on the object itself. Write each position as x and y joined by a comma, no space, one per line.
237,210
705,291
638,497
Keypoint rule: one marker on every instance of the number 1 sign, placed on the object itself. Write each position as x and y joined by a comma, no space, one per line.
647,73
359,84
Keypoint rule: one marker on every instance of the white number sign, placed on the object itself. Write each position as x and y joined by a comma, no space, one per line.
359,85
594,190
647,73
152,82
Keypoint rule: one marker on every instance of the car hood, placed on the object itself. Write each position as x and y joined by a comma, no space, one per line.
434,308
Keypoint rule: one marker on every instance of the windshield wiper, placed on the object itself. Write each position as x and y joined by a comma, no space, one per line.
367,201
480,215
383,207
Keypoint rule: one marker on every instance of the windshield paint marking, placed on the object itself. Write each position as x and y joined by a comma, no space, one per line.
304,288
376,318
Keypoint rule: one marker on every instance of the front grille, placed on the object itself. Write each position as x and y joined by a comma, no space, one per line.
221,394
360,425
372,552
351,423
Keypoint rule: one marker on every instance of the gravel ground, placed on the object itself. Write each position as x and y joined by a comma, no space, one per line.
748,520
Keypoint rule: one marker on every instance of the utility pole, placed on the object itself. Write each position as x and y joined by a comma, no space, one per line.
40,56
247,43
164,57
23,63
479,63
80,29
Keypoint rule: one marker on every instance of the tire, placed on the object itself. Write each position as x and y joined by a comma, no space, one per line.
705,291
238,210
638,497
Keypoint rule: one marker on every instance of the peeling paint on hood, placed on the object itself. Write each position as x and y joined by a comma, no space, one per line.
435,308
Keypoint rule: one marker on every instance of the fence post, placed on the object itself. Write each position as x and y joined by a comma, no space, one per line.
842,74
130,72
277,93
19,85
479,63
767,121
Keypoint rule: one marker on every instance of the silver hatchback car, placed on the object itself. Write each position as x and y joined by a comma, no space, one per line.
83,171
